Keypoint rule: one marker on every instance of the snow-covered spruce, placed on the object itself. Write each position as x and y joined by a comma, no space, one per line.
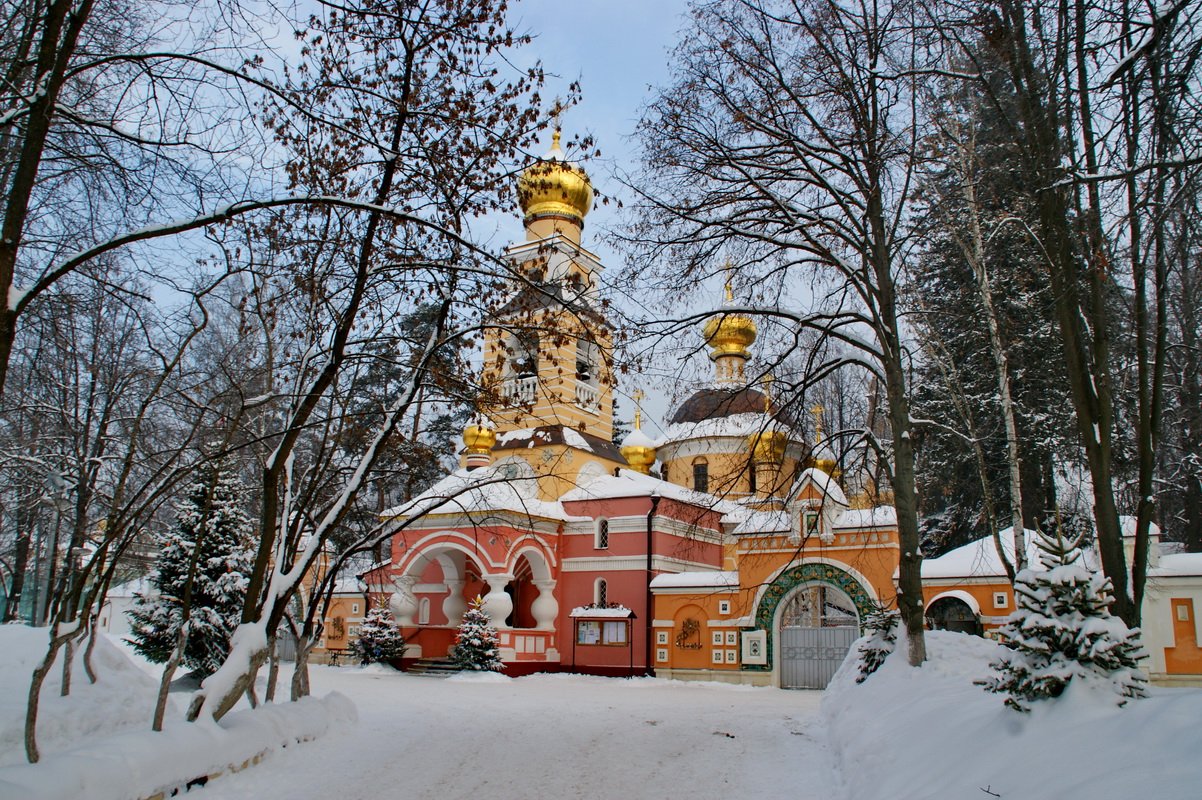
1062,631
212,514
476,646
880,642
380,639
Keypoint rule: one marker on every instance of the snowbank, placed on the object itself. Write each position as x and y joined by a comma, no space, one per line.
97,743
930,734
122,699
138,764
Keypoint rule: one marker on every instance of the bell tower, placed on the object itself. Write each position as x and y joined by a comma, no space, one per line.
548,358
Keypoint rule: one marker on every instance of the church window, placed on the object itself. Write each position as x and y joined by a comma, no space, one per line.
602,542
701,475
423,611
599,593
524,358
751,477
586,361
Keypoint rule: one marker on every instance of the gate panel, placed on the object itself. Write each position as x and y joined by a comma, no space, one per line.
810,656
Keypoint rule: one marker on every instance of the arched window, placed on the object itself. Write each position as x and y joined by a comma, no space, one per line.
701,475
602,540
600,592
751,477
523,359
586,361
423,611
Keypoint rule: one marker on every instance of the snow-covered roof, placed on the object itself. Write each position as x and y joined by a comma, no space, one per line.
716,579
1177,564
508,485
862,518
825,484
979,559
628,483
140,586
609,612
350,585
742,425
761,522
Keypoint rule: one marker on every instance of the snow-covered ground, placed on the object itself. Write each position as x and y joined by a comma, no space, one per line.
904,733
549,736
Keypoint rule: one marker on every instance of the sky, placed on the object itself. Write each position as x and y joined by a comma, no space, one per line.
618,50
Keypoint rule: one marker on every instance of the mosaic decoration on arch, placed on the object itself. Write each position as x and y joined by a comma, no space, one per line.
800,575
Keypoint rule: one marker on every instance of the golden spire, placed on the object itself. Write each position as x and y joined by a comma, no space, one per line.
730,290
817,412
637,448
822,455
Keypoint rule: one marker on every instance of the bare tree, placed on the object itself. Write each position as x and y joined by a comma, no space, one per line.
787,138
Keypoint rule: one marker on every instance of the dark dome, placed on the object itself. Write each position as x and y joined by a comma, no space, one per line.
713,403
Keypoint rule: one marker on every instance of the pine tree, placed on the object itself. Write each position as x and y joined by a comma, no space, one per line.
1063,631
476,646
380,639
211,517
880,642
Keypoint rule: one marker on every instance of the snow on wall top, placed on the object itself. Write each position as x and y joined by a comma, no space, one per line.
718,579
141,586
610,612
508,485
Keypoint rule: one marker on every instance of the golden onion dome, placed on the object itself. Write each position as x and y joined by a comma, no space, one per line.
768,447
639,451
479,439
553,186
824,459
729,335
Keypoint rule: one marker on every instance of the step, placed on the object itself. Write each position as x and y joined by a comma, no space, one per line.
433,667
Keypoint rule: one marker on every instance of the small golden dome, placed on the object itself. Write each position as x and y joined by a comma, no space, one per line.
639,450
479,439
768,447
824,459
729,335
553,186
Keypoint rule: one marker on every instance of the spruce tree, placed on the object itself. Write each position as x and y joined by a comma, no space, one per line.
476,646
879,643
1063,630
212,525
380,639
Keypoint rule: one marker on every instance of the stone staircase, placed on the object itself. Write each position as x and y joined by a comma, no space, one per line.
433,667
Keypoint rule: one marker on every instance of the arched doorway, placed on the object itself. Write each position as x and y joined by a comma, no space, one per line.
951,613
818,623
812,612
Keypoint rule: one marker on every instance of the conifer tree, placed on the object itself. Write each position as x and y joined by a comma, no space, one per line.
380,639
880,642
1063,630
476,646
200,577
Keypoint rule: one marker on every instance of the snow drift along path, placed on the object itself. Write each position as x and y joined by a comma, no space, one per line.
548,736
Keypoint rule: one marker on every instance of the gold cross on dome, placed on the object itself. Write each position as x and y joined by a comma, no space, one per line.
767,381
730,271
817,412
638,396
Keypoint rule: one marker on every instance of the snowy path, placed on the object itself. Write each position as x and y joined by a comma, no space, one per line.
553,736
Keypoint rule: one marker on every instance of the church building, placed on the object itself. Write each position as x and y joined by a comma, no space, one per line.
724,550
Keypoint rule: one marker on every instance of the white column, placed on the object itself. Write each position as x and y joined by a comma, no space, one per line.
497,603
545,607
403,603
454,604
